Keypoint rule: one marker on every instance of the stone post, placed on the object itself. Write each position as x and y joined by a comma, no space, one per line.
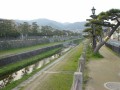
77,83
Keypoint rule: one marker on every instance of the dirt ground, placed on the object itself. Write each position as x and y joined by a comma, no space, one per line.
103,70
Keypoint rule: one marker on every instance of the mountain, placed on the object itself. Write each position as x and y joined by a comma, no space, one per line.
77,26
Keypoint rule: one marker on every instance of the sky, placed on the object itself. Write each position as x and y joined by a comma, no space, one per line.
57,10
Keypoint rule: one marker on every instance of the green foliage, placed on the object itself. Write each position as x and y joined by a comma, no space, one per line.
7,29
112,14
91,54
87,24
88,30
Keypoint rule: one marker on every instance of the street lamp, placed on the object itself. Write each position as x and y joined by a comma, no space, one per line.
93,10
93,16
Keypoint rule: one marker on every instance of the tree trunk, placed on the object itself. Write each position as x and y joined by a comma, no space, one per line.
94,42
106,39
118,35
99,46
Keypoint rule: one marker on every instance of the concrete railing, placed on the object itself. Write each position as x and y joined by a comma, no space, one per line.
78,76
114,47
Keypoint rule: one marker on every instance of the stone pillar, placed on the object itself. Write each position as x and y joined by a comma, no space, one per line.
77,83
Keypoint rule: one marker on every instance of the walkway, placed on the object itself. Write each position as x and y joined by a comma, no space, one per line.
104,70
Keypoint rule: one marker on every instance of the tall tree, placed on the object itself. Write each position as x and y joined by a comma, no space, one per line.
34,28
95,35
105,19
24,29
7,28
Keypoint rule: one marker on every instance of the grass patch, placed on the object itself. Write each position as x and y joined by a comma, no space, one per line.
21,64
20,50
58,82
92,55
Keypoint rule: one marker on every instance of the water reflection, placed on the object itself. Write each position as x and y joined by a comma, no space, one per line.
27,70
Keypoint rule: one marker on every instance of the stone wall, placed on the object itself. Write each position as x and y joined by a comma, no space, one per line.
115,48
18,43
22,56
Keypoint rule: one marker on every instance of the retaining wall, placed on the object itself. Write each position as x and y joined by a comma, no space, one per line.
114,48
22,56
17,43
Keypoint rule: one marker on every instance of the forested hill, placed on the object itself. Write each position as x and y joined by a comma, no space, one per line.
77,26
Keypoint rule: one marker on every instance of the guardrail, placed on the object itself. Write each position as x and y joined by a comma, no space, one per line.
78,76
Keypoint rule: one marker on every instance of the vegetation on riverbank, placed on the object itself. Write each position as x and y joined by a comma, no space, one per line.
17,66
21,64
4,53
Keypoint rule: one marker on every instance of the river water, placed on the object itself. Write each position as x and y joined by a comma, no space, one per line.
5,80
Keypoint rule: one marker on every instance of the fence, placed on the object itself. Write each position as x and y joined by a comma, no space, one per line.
78,76
114,47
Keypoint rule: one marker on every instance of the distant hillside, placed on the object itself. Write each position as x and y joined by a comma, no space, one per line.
77,26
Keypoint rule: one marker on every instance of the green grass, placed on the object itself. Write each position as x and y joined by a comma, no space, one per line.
58,82
63,81
92,55
20,50
21,64
4,53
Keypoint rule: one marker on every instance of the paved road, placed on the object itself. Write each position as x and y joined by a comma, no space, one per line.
103,70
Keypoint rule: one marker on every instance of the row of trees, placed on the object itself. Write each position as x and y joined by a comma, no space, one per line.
109,20
8,28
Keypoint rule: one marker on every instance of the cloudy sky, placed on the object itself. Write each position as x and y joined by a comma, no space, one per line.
58,10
